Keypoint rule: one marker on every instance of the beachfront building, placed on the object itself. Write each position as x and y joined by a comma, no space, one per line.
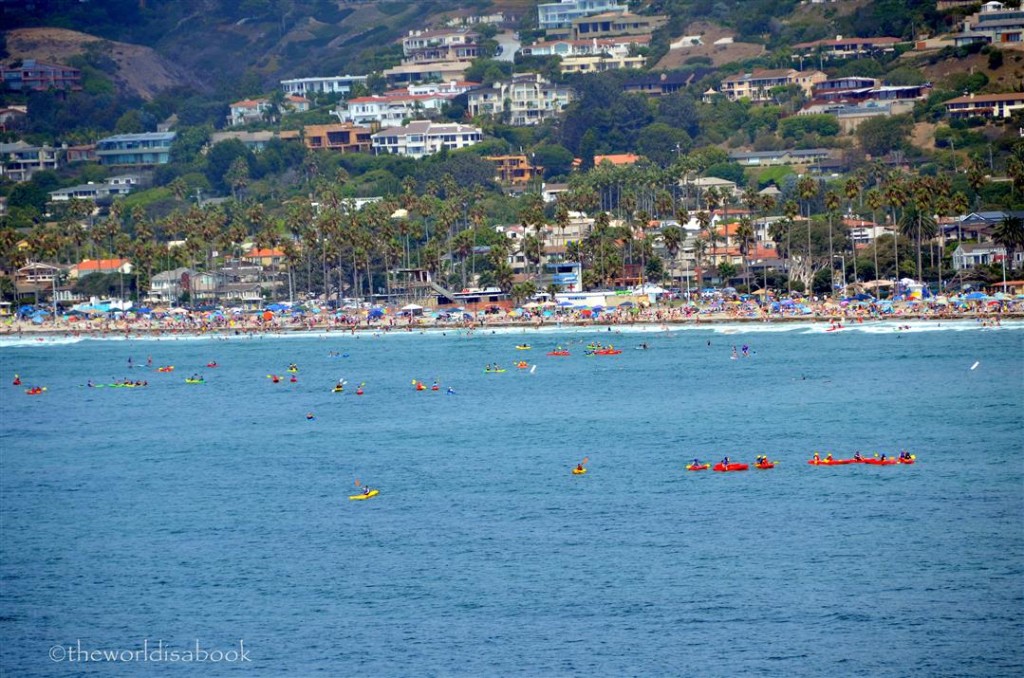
526,99
555,15
170,287
19,161
968,255
25,75
423,137
90,266
757,85
337,84
985,105
135,150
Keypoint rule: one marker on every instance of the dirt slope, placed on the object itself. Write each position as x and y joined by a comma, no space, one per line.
137,69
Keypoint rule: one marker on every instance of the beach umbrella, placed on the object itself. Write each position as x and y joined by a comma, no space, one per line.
976,296
277,307
376,312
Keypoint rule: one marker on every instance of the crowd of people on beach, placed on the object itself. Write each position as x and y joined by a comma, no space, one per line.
838,315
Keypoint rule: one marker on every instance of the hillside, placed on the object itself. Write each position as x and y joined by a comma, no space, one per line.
132,68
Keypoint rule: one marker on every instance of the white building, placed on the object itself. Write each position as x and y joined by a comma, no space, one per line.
337,84
111,187
393,108
561,14
248,110
526,99
422,138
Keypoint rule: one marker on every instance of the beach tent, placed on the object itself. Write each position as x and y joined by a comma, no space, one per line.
277,307
376,312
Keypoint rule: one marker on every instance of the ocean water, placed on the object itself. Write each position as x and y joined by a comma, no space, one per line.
218,513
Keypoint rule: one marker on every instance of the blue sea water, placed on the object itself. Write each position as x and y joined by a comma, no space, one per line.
217,513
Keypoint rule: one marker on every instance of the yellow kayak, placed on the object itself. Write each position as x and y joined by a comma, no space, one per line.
579,471
357,497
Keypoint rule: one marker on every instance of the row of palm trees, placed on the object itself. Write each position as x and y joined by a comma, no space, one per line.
332,247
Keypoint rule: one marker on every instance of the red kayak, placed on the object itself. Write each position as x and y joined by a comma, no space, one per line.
765,466
730,467
881,462
830,462
905,461
558,353
702,467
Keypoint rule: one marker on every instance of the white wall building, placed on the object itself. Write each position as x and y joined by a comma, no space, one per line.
337,84
422,138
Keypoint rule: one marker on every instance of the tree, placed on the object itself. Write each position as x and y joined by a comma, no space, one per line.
1010,234
662,143
881,135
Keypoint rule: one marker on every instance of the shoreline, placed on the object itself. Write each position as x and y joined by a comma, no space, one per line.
126,330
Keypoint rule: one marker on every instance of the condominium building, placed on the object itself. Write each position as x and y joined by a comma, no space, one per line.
31,75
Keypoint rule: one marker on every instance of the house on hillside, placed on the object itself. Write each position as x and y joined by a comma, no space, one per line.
422,138
757,85
985,105
135,150
440,45
526,99
600,64
560,15
336,84
610,24
24,75
19,161
248,110
515,171
343,137
111,187
844,48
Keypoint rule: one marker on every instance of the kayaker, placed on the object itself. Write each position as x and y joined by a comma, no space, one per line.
309,415
725,462
451,391
579,467
828,457
883,458
817,457
366,490
89,384
856,456
696,462
17,380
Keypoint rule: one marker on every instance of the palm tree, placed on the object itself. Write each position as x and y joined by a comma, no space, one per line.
1010,234
672,237
831,205
745,237
896,197
704,219
875,202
